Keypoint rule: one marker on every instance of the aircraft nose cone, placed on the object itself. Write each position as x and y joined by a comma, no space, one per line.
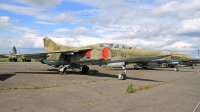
164,54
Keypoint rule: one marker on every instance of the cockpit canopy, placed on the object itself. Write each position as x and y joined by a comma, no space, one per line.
111,45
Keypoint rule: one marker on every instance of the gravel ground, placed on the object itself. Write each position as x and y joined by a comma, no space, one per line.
37,87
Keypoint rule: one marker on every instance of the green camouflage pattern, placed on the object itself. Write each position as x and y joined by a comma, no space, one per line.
55,54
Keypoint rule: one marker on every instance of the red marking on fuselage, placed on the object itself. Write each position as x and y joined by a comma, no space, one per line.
105,53
88,54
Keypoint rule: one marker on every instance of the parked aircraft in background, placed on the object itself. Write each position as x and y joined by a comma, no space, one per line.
176,59
11,56
63,57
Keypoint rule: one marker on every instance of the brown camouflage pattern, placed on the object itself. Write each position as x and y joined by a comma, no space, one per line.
114,54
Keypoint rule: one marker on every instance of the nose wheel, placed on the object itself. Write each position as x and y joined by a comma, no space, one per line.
192,67
176,69
122,76
62,70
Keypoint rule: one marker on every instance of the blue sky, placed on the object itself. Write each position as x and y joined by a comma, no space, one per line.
165,25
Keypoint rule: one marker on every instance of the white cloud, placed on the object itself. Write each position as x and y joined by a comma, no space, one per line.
190,27
178,46
65,16
19,9
87,40
176,7
45,23
22,10
80,31
40,3
167,8
4,22
62,31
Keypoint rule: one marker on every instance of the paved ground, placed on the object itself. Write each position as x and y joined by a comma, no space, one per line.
41,88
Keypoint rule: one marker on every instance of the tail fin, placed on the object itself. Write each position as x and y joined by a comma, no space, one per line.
12,56
14,50
50,45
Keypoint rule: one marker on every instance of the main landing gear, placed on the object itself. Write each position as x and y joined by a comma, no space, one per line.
62,70
176,68
84,69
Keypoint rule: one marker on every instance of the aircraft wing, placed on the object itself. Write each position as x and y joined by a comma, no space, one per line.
40,55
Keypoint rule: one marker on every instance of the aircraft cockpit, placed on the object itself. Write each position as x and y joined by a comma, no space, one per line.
110,45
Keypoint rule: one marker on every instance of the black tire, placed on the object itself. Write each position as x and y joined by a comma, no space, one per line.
61,73
144,67
124,76
84,69
136,68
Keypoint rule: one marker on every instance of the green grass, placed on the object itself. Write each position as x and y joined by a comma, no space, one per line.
130,89
3,59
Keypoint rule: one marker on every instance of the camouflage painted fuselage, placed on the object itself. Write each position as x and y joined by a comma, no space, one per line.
100,56
96,54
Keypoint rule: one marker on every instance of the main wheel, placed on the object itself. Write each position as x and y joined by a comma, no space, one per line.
15,60
61,73
85,69
176,69
144,67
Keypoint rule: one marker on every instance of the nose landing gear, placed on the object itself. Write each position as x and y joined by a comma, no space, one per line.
122,76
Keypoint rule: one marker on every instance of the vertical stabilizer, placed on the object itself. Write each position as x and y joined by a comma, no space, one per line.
14,50
50,45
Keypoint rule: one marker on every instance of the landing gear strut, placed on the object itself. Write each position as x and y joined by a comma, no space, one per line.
176,68
62,70
84,69
192,66
122,76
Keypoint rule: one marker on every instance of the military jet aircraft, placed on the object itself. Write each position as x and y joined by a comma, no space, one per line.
11,56
176,59
64,57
